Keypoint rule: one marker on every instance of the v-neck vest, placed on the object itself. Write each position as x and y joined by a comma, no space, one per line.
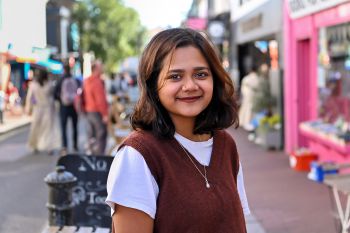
184,203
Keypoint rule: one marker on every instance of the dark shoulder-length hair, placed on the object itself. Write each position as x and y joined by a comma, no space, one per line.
43,77
149,114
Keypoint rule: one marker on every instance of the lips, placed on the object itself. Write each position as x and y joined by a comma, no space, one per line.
189,99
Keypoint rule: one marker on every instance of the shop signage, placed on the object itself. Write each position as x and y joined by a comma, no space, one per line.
260,23
301,8
252,23
196,23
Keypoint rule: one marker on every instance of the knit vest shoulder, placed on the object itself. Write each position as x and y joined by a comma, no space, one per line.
184,202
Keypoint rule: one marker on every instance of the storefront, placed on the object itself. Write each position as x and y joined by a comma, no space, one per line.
317,77
257,42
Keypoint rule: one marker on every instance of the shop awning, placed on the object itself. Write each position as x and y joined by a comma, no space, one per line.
53,66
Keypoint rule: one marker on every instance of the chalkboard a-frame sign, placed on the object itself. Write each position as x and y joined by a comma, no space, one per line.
90,192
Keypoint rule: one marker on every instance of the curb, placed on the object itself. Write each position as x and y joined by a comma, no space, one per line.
15,125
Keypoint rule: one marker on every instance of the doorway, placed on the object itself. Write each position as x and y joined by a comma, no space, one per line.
303,93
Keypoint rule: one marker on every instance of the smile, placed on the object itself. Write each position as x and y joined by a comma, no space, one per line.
189,99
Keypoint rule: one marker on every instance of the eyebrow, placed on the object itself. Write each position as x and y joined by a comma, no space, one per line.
195,68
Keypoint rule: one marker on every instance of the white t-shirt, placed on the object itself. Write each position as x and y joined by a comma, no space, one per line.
130,182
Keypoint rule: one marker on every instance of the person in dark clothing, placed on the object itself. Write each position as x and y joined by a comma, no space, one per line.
65,92
179,170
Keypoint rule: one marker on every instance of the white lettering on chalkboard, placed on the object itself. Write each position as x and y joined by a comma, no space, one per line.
88,192
94,164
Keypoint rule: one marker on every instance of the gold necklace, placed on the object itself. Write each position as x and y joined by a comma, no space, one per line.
205,171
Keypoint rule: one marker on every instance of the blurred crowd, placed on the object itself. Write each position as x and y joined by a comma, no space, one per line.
97,108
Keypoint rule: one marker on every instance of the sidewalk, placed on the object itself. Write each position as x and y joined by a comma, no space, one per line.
12,122
282,200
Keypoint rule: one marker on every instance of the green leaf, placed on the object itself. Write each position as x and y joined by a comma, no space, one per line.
109,29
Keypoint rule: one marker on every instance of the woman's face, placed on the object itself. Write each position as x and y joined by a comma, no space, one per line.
185,86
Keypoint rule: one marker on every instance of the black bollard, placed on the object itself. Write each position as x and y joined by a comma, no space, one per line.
60,203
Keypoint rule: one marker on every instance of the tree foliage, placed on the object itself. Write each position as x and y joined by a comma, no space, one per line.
109,29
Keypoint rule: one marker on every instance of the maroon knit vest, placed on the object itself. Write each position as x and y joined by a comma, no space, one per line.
184,203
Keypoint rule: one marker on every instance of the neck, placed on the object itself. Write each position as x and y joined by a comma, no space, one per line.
186,131
184,127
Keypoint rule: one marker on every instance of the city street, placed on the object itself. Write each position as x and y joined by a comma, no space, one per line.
281,200
283,65
23,191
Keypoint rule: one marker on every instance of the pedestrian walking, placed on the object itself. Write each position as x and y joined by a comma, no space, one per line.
179,170
66,91
249,88
44,131
96,108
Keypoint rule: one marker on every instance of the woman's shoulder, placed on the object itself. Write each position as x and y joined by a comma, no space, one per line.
150,147
225,137
222,133
142,140
140,134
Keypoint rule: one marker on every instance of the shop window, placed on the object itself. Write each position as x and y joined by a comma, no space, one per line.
334,73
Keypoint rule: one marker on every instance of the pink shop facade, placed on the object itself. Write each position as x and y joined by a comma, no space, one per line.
317,77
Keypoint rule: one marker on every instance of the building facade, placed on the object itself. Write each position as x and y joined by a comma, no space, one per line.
197,16
317,77
62,34
24,27
257,41
218,27
22,36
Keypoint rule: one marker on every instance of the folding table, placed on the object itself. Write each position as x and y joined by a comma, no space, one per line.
340,183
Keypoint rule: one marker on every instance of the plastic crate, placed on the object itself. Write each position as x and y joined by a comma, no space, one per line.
301,159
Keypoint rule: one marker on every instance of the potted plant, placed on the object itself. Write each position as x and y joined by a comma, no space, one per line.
268,126
269,131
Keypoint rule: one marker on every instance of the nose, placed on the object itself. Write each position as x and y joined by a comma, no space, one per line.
189,84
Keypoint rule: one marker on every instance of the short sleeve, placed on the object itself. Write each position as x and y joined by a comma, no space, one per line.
130,182
241,191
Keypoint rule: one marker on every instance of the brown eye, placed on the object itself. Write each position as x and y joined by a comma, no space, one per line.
201,75
174,77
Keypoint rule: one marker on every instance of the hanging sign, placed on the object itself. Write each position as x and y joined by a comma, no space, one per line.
301,8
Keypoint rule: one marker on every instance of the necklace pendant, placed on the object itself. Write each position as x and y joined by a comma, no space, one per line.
207,184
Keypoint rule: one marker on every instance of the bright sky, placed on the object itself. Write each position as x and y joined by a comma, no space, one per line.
160,13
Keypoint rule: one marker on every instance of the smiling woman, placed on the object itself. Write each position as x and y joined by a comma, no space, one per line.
177,169
186,88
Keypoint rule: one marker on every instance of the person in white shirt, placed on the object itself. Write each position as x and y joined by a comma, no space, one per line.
179,169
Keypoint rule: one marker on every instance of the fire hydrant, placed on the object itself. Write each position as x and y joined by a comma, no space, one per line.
60,202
